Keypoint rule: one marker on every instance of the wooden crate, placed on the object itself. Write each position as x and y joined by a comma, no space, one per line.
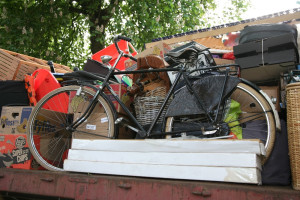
13,66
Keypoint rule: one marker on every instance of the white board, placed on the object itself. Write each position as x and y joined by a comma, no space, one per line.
224,174
165,158
170,145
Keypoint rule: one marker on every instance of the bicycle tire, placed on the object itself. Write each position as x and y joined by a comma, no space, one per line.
251,102
47,134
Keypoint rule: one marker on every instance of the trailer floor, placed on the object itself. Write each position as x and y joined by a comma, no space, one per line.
34,184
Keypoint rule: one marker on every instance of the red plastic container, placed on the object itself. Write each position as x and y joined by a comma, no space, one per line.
45,82
112,51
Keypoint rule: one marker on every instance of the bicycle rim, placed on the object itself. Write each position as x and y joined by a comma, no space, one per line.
255,119
48,137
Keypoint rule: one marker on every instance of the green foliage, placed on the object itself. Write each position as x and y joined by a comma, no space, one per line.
43,29
58,29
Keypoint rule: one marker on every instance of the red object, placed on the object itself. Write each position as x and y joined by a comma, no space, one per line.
232,39
29,82
228,56
15,152
112,51
233,135
45,82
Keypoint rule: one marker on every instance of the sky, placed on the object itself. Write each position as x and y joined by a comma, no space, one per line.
264,7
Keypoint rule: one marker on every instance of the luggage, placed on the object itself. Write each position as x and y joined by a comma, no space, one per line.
277,171
261,31
13,93
264,60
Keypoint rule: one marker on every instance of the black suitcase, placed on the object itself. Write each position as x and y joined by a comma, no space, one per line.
13,93
264,60
277,170
262,31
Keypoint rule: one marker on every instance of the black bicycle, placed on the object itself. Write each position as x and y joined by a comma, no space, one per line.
214,103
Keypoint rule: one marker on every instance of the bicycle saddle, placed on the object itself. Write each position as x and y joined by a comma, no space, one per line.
185,54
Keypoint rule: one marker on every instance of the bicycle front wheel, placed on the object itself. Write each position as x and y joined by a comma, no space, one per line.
252,118
48,133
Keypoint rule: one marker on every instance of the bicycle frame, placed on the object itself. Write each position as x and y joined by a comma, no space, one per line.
142,132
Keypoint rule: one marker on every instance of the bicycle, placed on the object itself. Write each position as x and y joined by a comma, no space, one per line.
85,111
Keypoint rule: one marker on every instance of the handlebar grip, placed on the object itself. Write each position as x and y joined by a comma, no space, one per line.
120,37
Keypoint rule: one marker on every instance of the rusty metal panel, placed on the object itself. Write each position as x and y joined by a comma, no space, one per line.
87,186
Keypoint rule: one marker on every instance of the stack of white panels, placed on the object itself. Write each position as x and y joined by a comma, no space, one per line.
208,160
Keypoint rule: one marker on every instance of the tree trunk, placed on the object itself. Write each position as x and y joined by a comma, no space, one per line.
95,39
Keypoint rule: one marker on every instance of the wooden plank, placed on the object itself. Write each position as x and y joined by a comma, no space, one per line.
8,59
8,64
175,146
39,61
224,174
22,57
23,70
60,68
238,27
161,158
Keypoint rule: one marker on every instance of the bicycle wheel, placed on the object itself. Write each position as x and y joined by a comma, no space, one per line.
252,118
48,135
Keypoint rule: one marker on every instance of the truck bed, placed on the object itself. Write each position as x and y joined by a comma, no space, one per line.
29,184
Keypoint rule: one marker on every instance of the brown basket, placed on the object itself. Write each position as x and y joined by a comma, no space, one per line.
293,125
13,66
147,106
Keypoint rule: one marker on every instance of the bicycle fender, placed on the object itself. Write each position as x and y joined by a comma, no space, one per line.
275,112
276,115
208,89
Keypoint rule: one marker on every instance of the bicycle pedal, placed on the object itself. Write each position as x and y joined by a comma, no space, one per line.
119,120
78,92
123,122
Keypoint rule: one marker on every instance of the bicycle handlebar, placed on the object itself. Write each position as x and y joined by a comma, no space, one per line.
120,37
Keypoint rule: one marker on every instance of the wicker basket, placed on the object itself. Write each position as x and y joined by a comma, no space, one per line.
293,125
147,106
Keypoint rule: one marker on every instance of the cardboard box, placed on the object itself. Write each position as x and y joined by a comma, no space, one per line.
13,132
15,152
220,61
14,119
121,91
159,49
273,93
76,105
93,127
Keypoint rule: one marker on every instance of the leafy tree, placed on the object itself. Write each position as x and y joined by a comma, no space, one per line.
68,31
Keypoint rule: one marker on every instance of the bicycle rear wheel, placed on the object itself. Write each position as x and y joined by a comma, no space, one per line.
254,118
48,135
